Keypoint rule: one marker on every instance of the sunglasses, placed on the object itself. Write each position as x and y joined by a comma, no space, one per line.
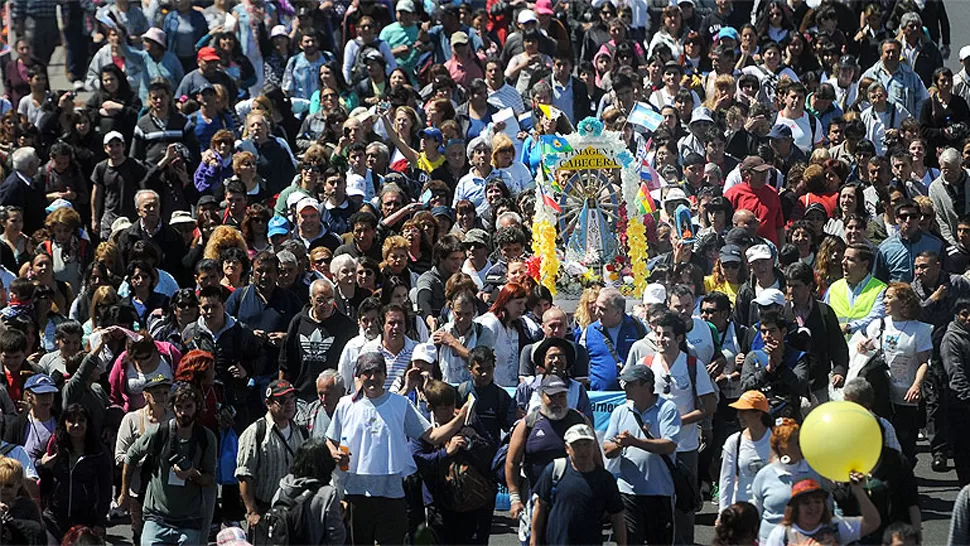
907,216
666,379
730,265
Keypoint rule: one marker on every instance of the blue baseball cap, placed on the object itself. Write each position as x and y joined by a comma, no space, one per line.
278,225
40,384
432,132
728,32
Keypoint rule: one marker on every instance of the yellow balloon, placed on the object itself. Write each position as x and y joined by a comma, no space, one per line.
840,437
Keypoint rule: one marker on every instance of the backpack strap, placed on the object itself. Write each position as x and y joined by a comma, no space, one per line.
737,460
692,372
7,448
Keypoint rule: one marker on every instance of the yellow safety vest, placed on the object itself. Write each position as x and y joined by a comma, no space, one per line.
839,299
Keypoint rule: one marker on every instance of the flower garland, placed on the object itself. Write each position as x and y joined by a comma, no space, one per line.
544,245
591,133
544,239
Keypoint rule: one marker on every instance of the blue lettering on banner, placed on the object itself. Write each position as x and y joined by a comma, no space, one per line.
603,404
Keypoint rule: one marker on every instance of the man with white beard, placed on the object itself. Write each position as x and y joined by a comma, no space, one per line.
369,321
537,440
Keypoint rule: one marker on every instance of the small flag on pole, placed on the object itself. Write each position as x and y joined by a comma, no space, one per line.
644,201
546,198
550,111
645,116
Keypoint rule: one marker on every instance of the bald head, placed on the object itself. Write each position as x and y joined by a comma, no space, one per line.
321,299
555,323
746,220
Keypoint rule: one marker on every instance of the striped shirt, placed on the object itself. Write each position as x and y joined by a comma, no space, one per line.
396,363
38,9
267,460
506,97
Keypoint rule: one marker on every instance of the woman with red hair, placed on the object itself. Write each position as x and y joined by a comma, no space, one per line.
198,368
511,329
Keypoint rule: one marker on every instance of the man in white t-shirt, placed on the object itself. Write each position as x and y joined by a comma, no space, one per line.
684,381
368,438
806,129
700,334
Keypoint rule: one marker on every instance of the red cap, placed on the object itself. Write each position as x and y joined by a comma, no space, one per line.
207,54
805,487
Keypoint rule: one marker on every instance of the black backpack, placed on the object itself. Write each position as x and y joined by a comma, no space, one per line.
358,71
283,524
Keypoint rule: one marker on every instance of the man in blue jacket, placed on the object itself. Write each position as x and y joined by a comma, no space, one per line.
608,340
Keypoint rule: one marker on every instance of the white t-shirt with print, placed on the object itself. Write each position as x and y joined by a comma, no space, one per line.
681,392
801,131
849,531
902,342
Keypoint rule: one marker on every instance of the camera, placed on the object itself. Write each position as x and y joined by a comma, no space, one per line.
181,461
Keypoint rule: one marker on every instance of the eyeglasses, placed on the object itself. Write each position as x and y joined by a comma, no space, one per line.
312,167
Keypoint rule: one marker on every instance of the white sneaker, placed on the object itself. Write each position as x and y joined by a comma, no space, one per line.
78,86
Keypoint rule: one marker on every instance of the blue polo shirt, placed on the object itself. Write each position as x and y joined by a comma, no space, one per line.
640,472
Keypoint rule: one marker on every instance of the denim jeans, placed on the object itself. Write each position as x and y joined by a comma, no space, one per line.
154,533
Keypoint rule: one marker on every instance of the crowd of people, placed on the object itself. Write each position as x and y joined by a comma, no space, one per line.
272,281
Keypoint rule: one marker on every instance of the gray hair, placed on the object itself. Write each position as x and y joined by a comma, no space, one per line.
339,262
950,156
23,158
338,380
875,86
859,390
321,283
392,188
540,88
287,257
910,17
508,215
476,143
613,298
141,194
381,149
296,247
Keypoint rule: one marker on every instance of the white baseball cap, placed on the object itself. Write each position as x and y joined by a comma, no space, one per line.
654,293
308,202
113,135
770,296
964,52
577,433
526,16
278,30
759,252
425,352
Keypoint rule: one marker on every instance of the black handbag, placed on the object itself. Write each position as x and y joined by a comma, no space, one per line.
687,497
876,372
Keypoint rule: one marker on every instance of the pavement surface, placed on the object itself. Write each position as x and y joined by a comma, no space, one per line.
937,490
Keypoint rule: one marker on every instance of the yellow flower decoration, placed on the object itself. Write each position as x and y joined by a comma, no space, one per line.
544,246
636,235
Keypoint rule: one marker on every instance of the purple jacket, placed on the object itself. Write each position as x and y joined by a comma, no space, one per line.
210,178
